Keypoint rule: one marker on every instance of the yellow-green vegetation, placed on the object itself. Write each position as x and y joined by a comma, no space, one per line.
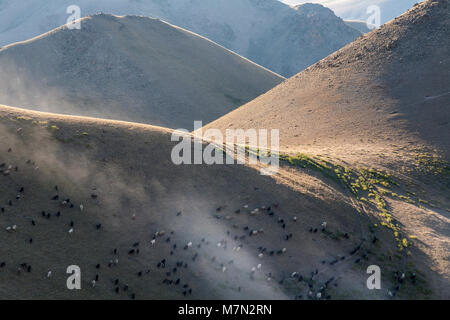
29,119
53,127
432,163
368,185
23,118
81,134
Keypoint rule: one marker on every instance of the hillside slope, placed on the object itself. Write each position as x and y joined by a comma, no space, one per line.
94,193
386,89
129,68
380,103
267,32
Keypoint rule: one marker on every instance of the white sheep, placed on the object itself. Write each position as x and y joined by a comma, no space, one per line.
237,249
11,228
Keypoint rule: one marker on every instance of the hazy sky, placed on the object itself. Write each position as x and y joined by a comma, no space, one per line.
357,9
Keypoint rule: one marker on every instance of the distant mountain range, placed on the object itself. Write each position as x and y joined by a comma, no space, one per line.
357,9
361,26
268,32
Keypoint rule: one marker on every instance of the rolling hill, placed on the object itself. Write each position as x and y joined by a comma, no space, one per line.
363,180
96,193
267,32
388,87
129,68
380,103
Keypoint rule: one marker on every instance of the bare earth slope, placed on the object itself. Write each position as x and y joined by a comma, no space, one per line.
388,87
129,68
380,103
95,193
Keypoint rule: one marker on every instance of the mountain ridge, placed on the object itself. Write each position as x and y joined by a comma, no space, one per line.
130,68
268,32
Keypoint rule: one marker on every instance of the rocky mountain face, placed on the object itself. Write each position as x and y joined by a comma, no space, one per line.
358,9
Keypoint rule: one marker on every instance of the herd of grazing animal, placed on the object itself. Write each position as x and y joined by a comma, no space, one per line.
180,258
